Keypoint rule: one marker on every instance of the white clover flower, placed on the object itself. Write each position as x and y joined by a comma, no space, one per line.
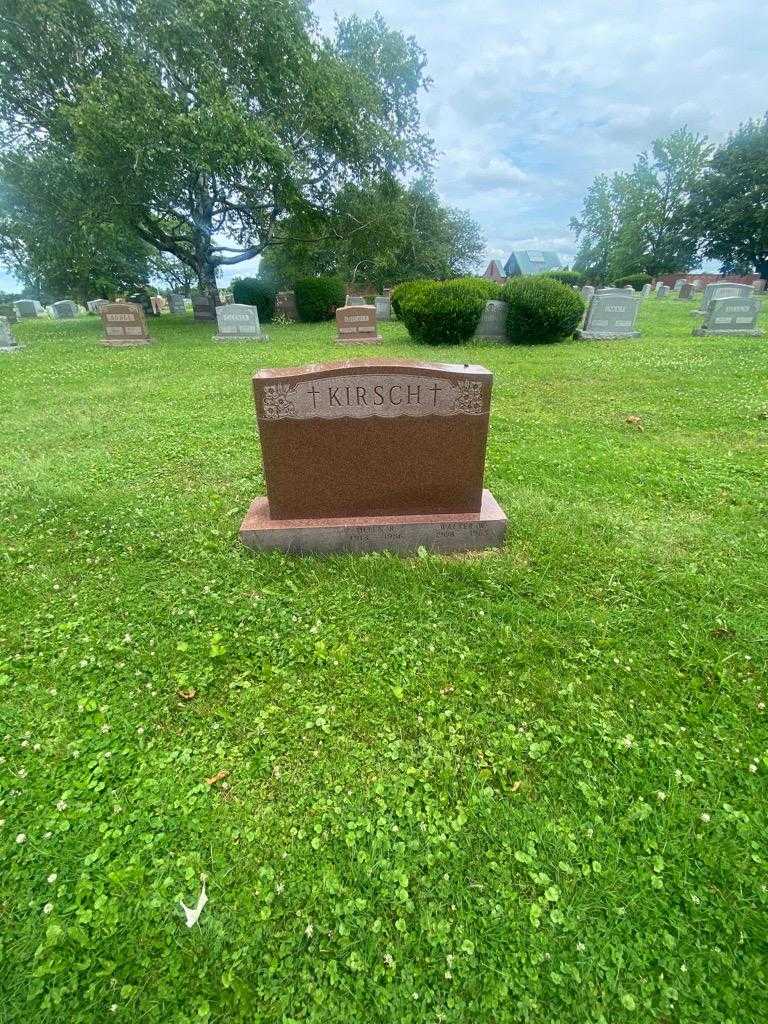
761,706
52,878
705,817
21,838
140,730
753,767
661,795
61,805
309,931
389,960
22,773
105,727
47,835
47,908
25,743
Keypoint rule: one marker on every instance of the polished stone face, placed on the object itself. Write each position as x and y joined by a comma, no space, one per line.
124,324
203,307
356,324
64,309
493,321
373,438
383,307
237,320
176,303
731,314
611,313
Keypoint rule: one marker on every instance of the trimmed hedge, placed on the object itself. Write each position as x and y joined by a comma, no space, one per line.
318,298
252,291
443,312
636,280
569,277
541,310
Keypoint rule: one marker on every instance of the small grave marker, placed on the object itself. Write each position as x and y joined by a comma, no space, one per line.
124,324
493,321
731,314
611,314
176,303
8,343
285,305
356,325
383,307
238,322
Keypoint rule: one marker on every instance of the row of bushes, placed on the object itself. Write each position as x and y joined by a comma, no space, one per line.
540,309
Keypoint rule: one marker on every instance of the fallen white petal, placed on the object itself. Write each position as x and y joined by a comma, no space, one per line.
193,913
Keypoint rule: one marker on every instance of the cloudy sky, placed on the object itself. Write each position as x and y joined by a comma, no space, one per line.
531,100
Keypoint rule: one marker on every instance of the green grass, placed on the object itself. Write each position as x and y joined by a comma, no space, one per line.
520,786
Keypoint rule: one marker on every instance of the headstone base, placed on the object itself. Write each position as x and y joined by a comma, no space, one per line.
125,342
377,340
598,336
242,337
10,349
403,535
704,332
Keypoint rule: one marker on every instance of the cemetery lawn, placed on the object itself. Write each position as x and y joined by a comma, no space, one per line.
517,786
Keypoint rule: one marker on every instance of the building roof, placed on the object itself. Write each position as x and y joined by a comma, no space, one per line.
493,272
531,261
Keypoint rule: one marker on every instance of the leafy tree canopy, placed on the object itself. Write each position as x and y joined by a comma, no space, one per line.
380,232
729,206
201,126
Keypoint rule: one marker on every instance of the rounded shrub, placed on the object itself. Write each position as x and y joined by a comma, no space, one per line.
444,312
401,290
569,277
636,280
252,291
541,310
318,298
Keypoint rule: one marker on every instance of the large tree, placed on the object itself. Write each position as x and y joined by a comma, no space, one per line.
201,126
379,232
640,221
730,204
55,240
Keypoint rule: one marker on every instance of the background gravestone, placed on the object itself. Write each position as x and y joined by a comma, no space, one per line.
662,291
124,324
587,292
64,309
238,322
144,299
356,325
732,314
493,321
679,284
7,341
685,292
383,307
204,307
371,455
285,305
645,291
9,312
355,300
722,290
759,286
176,303
26,309
611,314
94,305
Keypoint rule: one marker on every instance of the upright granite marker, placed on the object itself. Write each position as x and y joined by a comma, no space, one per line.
27,309
587,292
356,325
732,314
645,291
204,307
662,291
722,290
94,305
759,286
611,314
9,312
373,455
285,305
355,300
8,343
238,322
493,321
685,292
176,303
65,309
124,324
383,307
